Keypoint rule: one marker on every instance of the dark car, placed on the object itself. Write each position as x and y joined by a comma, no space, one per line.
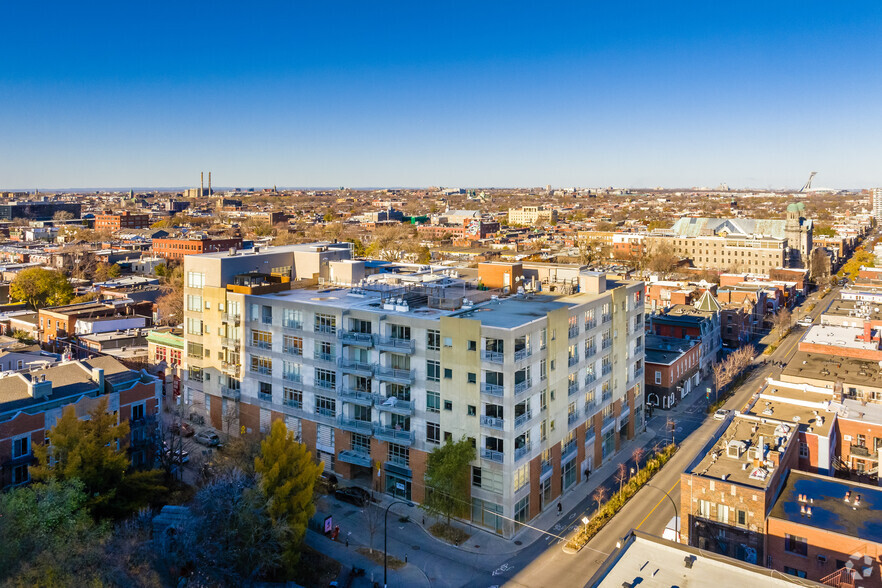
354,495
182,429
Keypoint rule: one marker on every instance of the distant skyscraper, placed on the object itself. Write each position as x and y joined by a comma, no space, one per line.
876,202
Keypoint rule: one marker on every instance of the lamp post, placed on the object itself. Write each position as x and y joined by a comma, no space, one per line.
385,534
674,504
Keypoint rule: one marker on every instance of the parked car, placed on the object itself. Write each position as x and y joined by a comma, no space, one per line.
354,495
721,414
183,429
805,321
180,455
208,438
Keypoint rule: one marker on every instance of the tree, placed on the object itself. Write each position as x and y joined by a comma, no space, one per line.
287,475
820,267
637,454
170,304
593,251
392,242
372,517
599,496
721,376
41,287
106,271
62,215
94,451
661,258
447,479
861,258
782,321
621,474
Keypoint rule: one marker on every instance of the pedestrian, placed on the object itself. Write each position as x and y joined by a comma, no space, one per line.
587,471
559,509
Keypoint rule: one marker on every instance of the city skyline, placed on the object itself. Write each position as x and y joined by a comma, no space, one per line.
585,95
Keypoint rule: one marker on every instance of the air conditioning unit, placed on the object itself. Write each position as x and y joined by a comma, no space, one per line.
822,559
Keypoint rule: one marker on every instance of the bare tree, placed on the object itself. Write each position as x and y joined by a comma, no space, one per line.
621,474
782,321
721,375
638,454
599,496
372,517
661,258
671,424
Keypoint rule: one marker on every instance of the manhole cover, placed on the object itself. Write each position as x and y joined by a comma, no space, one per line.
415,547
518,542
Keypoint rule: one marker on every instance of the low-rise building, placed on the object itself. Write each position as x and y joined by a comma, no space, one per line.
671,369
531,215
109,221
177,248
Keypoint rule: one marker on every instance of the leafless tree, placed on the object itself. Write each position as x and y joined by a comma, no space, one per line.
373,518
621,474
721,375
599,496
638,454
782,321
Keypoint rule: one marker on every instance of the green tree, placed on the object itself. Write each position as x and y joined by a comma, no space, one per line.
447,479
861,258
41,287
287,476
94,451
106,271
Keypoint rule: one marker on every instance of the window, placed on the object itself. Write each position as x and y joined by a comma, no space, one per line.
194,349
194,303
325,406
795,544
400,332
472,378
292,319
292,345
361,443
723,513
543,400
543,370
794,572
658,379
291,371
292,397
448,373
433,340
195,374
264,391
522,510
448,436
433,370
266,315
399,454
448,341
803,449
21,446
262,365
325,323
741,517
194,326
521,477
261,339
325,378
472,345
433,433
195,280
472,410
448,405
704,509
476,476
433,401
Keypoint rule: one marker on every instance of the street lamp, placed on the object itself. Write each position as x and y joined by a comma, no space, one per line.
385,528
674,504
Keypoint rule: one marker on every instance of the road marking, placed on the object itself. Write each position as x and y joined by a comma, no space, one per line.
502,569
656,505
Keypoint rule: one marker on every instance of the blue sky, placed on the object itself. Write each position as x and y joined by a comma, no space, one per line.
454,94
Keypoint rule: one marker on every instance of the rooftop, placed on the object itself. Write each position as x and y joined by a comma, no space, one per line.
666,350
805,366
736,455
839,336
854,308
830,510
806,407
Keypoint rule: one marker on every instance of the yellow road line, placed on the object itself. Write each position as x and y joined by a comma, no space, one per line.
658,503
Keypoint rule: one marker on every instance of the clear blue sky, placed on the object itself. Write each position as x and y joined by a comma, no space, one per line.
477,93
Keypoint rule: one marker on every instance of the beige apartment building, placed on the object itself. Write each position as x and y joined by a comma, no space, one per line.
725,253
374,365
531,215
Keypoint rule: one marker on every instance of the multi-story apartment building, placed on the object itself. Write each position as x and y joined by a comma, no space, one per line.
108,221
876,203
728,253
531,215
374,375
177,248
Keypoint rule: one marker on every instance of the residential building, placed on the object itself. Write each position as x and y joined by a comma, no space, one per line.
531,215
109,221
37,210
700,320
61,322
372,377
31,402
671,369
876,203
178,247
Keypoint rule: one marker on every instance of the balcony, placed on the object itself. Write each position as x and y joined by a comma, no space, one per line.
590,324
264,397
590,350
353,338
590,378
861,451
231,368
361,397
231,393
326,329
493,356
393,404
524,353
590,408
492,389
293,350
606,344
393,434
263,370
396,345
293,325
357,368
292,377
572,360
402,462
605,318
231,319
638,372
567,450
293,403
521,452
626,412
323,356
638,348
572,388
522,387
606,396
573,332
261,344
324,411
355,457
231,343
396,375
546,466
492,422
496,456
606,370
355,426
522,420
325,385
572,417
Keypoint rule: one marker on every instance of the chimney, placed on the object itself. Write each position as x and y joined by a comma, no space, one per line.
201,184
38,387
209,183
98,378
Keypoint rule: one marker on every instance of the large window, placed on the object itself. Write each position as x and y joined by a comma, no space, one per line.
195,280
291,371
433,340
325,323
194,326
194,349
325,406
292,397
521,477
433,370
292,318
325,378
194,303
21,446
433,433
795,544
262,365
399,454
292,345
261,339
433,401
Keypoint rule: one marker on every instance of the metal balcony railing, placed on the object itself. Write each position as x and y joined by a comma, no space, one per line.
293,403
572,388
395,344
523,419
606,344
590,350
393,434
520,354
290,324
546,466
492,422
362,397
265,397
231,393
323,356
354,338
572,417
292,377
393,404
324,411
232,319
590,378
572,360
358,367
326,329
493,356
261,344
521,452
573,332
325,384
496,456
607,369
231,343
567,449
355,426
390,373
492,389
606,318
292,350
523,386
264,370
590,324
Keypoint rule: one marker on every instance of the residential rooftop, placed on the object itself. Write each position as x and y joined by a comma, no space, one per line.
807,407
805,366
839,336
834,503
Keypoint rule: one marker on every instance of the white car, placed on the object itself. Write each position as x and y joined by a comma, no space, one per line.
805,322
721,414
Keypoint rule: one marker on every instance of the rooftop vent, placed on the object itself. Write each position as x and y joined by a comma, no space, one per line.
688,561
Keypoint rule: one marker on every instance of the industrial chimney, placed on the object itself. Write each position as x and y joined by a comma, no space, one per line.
209,183
202,184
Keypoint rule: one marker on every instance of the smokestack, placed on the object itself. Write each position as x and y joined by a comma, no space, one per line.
202,184
209,183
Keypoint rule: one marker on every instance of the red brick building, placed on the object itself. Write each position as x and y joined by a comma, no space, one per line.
671,369
177,248
32,401
124,220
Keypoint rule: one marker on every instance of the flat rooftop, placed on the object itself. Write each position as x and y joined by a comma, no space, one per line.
832,368
855,309
830,511
645,561
839,336
720,463
811,412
